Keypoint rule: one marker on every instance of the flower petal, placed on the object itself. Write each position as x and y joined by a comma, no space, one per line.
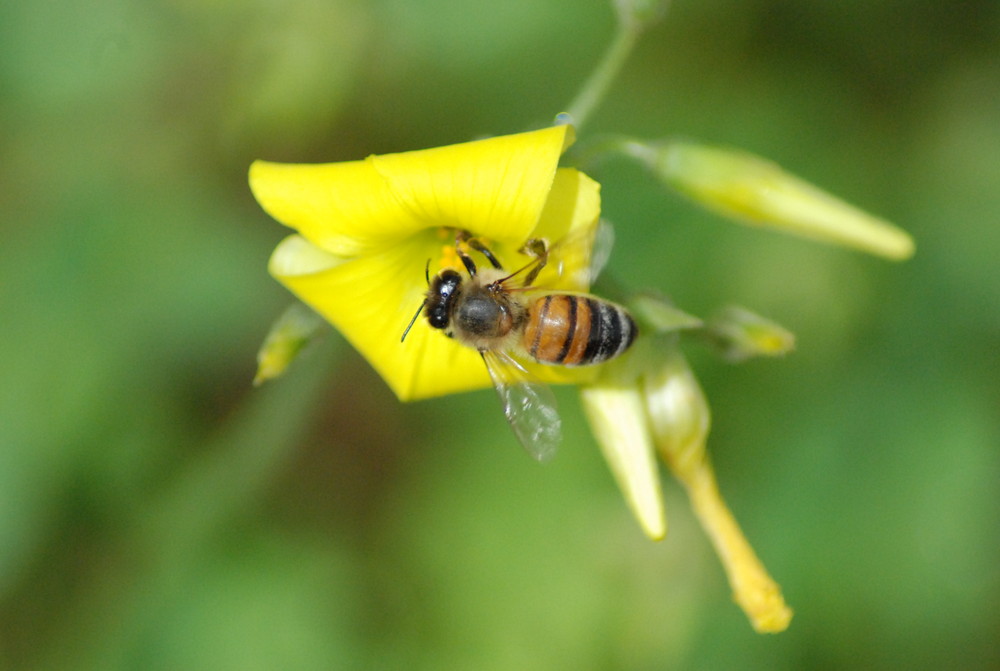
370,300
344,208
569,221
495,188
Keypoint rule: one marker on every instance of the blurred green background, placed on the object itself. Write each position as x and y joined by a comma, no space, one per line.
156,512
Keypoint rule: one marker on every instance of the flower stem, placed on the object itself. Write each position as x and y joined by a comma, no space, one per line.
600,80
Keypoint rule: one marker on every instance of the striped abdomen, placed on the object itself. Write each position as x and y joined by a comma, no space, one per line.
574,330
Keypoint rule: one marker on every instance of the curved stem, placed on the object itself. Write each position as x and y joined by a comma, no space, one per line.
600,80
588,152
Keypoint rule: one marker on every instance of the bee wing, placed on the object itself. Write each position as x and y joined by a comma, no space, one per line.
529,406
604,240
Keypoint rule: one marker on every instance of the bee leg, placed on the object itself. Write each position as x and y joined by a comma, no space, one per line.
470,265
477,245
537,248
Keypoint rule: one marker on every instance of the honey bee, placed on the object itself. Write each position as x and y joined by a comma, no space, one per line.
507,321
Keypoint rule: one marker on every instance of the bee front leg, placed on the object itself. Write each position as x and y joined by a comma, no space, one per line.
477,244
463,238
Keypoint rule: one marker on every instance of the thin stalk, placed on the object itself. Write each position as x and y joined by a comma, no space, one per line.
600,80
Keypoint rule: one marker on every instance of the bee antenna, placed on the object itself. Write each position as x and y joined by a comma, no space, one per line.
413,321
427,274
518,272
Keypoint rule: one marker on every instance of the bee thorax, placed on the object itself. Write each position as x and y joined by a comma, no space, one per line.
484,316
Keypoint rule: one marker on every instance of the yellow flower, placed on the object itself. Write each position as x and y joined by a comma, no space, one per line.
368,229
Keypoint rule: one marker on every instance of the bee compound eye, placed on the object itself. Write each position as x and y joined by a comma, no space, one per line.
448,282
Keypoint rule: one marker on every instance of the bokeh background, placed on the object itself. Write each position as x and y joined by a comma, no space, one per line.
156,512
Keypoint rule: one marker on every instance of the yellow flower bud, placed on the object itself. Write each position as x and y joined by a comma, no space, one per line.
741,334
754,190
677,409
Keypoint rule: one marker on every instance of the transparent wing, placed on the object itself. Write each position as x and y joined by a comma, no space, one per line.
604,240
529,406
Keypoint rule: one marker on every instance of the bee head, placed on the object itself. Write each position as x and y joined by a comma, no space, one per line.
441,297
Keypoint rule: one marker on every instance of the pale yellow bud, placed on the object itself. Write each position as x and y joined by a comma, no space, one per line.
754,190
677,409
741,334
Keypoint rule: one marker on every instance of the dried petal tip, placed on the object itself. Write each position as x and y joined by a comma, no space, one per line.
290,333
754,190
740,334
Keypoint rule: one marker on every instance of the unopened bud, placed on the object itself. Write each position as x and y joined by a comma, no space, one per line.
678,411
288,335
751,189
679,416
740,334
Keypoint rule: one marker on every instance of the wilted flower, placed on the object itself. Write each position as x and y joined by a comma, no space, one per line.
652,404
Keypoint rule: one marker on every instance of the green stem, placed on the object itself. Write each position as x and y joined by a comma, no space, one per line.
588,152
600,80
